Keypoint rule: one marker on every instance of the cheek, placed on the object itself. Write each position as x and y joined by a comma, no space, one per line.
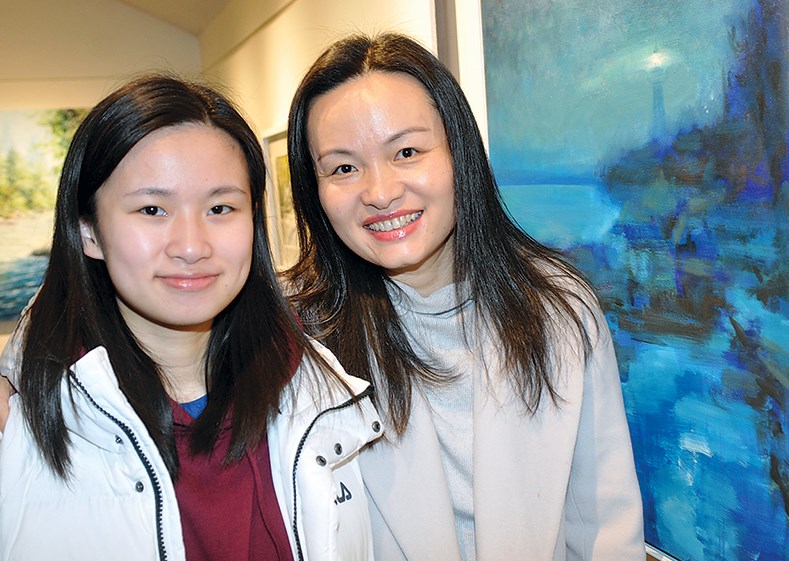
238,244
245,249
324,198
444,192
128,248
332,204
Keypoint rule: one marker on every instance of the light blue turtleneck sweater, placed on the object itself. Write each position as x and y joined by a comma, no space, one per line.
435,330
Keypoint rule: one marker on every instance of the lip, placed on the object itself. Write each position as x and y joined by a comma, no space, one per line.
189,283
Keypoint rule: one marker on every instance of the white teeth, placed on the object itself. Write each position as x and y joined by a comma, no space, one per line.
394,223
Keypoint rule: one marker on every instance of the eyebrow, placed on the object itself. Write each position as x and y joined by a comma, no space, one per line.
394,138
153,191
405,132
166,193
334,152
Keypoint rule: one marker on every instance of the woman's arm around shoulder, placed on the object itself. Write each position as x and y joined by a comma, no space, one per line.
9,368
6,390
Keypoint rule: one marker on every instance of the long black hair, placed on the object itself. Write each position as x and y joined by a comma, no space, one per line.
254,342
517,284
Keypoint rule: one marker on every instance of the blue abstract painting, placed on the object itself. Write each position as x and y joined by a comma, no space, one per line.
648,140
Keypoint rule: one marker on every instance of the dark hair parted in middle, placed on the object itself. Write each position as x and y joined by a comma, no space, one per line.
515,282
249,357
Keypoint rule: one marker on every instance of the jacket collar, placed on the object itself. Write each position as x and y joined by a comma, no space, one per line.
94,406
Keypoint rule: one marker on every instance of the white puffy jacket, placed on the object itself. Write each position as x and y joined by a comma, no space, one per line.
121,504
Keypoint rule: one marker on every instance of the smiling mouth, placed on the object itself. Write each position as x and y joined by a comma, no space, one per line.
394,223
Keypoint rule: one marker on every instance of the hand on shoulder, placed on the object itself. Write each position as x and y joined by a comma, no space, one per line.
6,390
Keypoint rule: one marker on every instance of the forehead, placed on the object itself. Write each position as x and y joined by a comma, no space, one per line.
186,157
381,82
372,102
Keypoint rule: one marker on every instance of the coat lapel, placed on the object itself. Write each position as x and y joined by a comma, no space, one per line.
521,469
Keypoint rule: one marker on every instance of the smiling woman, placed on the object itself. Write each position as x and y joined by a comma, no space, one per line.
495,371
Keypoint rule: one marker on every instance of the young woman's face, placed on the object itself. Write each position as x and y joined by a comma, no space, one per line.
175,228
385,177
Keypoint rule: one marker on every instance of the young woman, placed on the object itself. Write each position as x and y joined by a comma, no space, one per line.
492,362
169,405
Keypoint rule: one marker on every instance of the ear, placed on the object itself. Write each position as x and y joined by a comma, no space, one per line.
90,245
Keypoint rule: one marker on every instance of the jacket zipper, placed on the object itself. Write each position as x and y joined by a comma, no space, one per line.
157,489
367,392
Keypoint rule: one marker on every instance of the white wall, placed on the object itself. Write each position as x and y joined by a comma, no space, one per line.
263,67
70,53
471,67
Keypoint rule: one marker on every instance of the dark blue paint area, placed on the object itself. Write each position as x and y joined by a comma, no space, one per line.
19,281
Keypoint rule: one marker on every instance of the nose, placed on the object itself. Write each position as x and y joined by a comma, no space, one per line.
382,187
188,239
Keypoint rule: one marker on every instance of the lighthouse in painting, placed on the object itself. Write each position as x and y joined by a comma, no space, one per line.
656,65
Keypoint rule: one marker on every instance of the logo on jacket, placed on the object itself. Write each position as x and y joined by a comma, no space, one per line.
345,494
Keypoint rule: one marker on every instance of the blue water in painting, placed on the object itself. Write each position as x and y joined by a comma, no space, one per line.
537,207
19,280
704,414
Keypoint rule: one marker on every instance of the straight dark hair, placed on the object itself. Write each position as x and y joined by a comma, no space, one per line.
254,342
517,284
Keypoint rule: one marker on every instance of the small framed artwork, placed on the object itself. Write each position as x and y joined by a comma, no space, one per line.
282,218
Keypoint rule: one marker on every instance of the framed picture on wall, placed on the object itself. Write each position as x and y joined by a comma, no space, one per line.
282,219
648,141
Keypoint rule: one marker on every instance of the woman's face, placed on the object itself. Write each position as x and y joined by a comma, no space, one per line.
385,177
175,228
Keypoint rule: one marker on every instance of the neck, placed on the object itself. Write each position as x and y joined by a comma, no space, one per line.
181,357
180,354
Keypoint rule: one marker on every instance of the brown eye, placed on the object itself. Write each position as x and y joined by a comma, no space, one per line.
152,211
343,169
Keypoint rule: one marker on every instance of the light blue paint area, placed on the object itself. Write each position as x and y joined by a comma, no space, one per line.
698,495
773,327
721,529
684,508
676,517
561,215
748,239
711,481
649,390
702,460
752,246
727,431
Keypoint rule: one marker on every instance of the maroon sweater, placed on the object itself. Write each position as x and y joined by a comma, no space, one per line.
228,513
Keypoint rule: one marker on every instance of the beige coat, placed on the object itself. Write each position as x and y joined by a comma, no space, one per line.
557,486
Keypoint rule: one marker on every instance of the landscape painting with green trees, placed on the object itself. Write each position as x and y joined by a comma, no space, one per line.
32,147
